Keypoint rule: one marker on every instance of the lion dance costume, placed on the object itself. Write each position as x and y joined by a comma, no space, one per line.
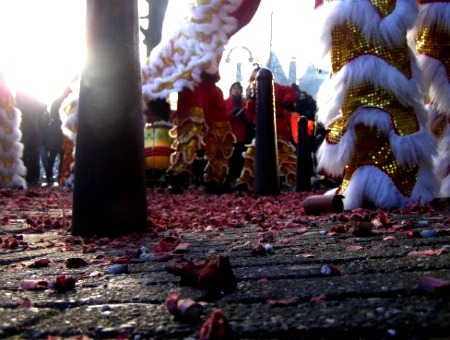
432,36
188,64
12,169
372,106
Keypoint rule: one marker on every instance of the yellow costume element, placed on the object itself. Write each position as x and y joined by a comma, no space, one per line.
247,174
12,169
377,140
287,161
219,142
188,134
432,34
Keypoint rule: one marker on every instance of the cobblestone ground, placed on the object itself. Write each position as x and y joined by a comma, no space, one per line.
357,275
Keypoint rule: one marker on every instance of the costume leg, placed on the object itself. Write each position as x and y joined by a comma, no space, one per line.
219,142
247,177
287,161
376,140
188,139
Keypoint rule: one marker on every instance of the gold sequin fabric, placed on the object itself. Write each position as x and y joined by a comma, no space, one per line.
349,44
435,43
247,175
189,138
404,121
218,150
372,148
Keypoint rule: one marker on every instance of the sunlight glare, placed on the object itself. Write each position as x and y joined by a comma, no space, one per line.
43,44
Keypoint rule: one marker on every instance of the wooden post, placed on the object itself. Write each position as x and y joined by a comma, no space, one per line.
267,179
109,196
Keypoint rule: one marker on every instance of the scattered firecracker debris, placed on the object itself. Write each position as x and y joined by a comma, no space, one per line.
64,283
412,233
39,263
182,248
340,228
259,250
75,262
213,274
11,243
216,327
284,302
167,244
361,229
425,253
436,287
29,284
318,298
172,303
121,259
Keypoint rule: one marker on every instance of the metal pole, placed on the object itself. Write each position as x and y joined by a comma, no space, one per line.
267,179
304,162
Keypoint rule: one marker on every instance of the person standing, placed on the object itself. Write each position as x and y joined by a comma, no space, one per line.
52,140
241,121
33,112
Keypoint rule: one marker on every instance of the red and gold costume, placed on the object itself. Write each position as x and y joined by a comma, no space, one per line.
432,34
377,140
12,169
188,64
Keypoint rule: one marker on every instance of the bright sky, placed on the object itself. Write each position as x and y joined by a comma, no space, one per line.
42,41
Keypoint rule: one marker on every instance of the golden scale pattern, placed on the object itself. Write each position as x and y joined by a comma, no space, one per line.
372,147
352,44
434,42
403,119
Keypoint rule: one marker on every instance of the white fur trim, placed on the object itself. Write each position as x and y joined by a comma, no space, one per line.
442,163
188,52
434,13
390,29
373,70
436,82
368,183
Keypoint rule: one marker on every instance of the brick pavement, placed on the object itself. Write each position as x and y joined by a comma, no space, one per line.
280,296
